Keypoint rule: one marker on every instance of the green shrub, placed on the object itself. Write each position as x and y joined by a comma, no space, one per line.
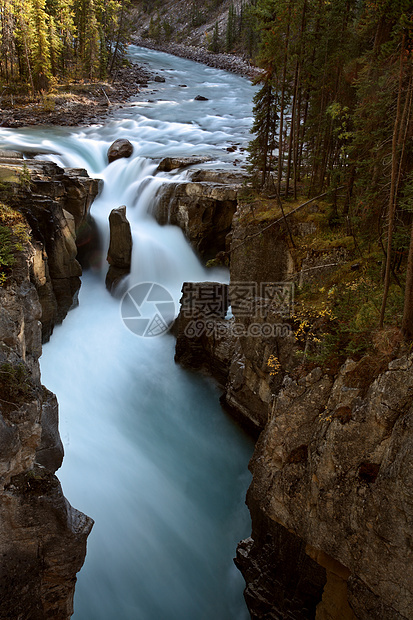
15,383
7,258
14,234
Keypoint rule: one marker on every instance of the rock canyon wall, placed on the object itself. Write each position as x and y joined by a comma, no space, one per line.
42,538
331,495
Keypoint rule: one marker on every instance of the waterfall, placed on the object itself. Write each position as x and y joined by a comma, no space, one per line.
149,454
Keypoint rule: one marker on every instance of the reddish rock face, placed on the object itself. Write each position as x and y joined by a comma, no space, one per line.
120,148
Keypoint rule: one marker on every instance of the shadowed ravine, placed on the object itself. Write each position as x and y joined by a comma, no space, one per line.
150,455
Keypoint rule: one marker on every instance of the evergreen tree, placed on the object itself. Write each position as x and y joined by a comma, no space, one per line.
44,38
214,46
261,148
231,31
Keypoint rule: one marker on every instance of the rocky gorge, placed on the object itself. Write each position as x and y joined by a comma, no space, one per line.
331,493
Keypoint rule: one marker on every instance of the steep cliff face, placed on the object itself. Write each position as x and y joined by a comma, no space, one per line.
186,23
42,538
334,466
56,205
236,351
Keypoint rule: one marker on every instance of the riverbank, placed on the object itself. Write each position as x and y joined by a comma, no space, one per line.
80,103
228,62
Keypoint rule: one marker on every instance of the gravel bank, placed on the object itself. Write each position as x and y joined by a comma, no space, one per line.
228,62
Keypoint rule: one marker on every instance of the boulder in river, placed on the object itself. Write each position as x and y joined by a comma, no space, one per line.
120,148
120,247
201,98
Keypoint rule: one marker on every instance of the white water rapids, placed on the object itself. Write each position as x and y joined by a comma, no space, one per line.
149,454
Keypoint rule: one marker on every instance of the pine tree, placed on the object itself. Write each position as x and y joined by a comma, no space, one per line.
261,148
214,47
40,44
231,28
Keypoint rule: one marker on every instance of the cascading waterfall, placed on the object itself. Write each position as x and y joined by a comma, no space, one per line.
149,453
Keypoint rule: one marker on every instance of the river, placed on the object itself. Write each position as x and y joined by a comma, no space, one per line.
149,454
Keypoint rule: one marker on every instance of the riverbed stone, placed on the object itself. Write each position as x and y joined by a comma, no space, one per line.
120,148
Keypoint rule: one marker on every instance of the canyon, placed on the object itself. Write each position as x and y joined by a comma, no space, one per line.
331,493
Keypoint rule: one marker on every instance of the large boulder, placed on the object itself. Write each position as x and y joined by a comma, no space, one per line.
120,148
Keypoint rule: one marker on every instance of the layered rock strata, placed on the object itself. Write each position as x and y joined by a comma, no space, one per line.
42,538
234,347
334,466
331,495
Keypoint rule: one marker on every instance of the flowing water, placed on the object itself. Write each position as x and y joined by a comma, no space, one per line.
149,454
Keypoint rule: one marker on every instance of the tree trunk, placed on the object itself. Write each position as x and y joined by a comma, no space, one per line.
282,104
407,322
393,187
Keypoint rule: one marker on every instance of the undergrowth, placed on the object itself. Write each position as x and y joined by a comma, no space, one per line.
337,311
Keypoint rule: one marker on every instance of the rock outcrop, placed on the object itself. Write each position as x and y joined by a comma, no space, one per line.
120,247
204,338
235,349
203,208
261,296
56,204
42,538
334,466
